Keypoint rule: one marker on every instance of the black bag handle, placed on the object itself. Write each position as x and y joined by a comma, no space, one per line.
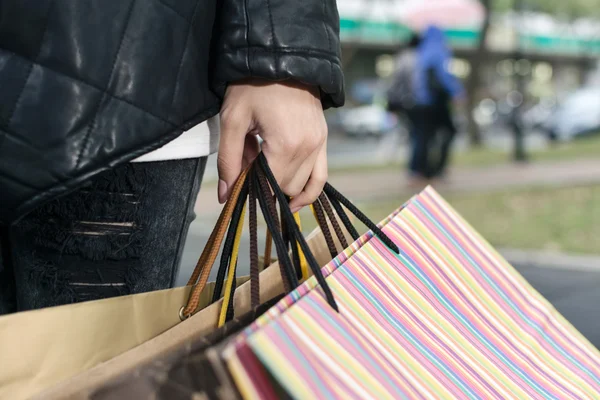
263,182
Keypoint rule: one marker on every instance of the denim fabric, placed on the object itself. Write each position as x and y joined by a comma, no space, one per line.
424,134
121,233
432,138
446,131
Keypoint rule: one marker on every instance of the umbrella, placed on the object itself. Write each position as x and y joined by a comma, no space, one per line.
419,14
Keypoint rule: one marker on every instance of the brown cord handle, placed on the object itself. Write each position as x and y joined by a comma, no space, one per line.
270,200
263,179
211,251
334,222
322,222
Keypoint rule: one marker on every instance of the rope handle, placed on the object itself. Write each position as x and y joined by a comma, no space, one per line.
257,181
230,284
209,254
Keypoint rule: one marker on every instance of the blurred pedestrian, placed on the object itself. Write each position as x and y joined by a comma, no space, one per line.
435,87
401,95
88,87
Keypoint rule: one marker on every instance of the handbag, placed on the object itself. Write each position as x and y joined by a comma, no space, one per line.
442,315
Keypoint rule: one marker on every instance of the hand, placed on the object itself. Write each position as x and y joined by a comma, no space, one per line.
289,118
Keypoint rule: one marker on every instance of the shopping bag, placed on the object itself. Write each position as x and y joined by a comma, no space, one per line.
445,317
317,247
40,348
188,370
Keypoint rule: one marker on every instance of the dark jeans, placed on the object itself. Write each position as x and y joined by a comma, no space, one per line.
121,233
433,135
446,132
412,116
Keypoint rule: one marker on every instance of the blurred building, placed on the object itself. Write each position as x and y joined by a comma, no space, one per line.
556,57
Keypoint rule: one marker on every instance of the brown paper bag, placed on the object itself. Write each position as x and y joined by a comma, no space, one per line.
42,347
203,322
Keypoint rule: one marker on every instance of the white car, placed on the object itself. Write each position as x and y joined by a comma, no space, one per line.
371,120
578,115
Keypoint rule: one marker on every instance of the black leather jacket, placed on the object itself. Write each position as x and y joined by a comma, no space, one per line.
88,84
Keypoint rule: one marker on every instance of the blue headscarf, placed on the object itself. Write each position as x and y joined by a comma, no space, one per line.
434,54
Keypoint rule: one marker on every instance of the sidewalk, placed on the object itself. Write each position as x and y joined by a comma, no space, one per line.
390,184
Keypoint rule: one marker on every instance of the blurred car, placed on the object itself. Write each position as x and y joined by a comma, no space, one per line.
367,121
577,116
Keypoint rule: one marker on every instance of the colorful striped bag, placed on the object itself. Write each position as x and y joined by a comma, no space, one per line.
446,318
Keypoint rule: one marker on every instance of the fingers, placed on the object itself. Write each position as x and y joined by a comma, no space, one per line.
230,161
292,166
315,184
290,120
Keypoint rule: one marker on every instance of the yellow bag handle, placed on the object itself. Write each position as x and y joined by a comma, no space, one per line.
232,267
231,278
303,263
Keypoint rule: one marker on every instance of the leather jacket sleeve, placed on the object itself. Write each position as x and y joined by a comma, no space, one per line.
278,40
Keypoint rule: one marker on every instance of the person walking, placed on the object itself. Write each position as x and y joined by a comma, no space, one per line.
401,96
434,88
108,111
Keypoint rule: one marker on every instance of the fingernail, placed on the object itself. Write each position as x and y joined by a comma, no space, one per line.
296,209
222,191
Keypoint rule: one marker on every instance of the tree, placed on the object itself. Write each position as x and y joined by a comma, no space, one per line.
474,80
569,8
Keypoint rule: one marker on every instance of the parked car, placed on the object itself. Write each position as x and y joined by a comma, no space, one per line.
368,121
577,116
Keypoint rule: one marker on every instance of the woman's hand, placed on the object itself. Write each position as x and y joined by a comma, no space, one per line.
289,118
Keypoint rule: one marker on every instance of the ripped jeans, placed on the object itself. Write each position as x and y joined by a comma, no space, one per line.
121,233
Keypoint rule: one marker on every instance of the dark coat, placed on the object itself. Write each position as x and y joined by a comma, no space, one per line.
89,84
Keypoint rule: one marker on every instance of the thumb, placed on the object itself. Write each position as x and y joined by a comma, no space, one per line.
231,152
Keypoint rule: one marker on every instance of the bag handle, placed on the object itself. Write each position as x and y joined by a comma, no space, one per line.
269,210
230,252
259,185
231,284
322,222
334,222
302,258
209,254
337,198
322,207
263,181
230,247
230,216
295,232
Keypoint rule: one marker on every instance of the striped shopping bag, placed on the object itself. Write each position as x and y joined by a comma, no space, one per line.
445,318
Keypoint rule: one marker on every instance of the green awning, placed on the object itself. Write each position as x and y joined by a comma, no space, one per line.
393,33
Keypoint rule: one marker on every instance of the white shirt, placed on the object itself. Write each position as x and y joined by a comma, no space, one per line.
200,141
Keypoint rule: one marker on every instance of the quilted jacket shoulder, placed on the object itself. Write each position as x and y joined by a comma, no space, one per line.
87,84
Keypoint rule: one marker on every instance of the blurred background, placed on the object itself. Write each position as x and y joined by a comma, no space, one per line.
524,167
530,183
